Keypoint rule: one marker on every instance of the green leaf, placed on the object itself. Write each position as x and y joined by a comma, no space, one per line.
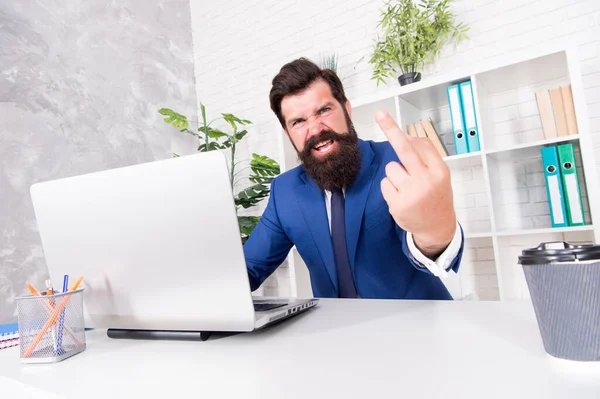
264,166
175,155
213,145
234,120
264,169
240,135
247,224
260,180
251,195
173,118
203,112
212,133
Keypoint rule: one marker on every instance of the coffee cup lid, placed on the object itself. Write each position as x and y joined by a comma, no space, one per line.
558,251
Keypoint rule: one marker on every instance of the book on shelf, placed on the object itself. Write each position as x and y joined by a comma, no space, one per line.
457,118
412,131
562,185
420,130
424,128
557,111
467,102
463,115
570,180
569,106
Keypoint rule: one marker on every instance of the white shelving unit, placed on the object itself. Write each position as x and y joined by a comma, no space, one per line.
499,191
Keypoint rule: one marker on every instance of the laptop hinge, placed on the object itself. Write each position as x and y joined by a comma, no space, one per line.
119,333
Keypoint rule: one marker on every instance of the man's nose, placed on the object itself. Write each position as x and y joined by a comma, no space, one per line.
315,126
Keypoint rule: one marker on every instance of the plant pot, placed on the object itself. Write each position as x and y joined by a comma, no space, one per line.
409,77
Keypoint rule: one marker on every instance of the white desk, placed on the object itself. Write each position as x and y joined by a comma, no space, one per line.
341,349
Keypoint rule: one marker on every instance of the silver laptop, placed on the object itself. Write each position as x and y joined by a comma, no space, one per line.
159,247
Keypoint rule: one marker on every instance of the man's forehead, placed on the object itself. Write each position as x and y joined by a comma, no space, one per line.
314,96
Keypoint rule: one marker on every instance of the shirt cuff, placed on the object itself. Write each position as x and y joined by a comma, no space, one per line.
440,266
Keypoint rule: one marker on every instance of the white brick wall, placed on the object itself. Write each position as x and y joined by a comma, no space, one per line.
470,198
239,46
477,279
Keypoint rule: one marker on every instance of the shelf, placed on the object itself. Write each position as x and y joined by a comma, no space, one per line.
486,234
383,95
534,144
432,96
544,231
456,158
546,68
500,194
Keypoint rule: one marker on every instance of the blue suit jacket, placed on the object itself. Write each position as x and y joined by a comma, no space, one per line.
379,257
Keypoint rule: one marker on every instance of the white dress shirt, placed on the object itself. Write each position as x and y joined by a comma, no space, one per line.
440,266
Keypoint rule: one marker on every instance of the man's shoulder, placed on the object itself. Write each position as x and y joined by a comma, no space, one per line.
383,150
290,177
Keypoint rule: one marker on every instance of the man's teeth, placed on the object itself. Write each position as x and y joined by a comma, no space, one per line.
324,143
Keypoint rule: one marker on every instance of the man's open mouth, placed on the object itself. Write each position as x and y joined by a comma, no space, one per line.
323,146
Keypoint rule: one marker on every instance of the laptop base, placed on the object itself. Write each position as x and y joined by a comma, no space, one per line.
118,333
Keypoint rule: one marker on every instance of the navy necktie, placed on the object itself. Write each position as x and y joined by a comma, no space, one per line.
338,234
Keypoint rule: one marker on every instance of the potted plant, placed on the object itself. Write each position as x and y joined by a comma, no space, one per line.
262,168
413,36
329,61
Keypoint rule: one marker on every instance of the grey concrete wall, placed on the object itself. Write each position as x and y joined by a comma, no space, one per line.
80,86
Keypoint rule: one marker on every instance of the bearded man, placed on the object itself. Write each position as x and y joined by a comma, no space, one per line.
369,219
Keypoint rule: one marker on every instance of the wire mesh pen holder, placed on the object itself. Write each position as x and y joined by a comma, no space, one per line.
51,327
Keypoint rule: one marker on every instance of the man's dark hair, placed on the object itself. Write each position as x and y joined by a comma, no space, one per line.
295,77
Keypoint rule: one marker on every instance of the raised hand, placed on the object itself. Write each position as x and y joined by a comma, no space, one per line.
418,191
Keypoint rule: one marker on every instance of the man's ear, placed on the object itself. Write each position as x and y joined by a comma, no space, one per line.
349,108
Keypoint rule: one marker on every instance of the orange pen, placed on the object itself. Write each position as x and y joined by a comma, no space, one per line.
77,282
32,289
49,289
49,292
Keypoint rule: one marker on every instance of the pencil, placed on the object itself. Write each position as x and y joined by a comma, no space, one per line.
77,282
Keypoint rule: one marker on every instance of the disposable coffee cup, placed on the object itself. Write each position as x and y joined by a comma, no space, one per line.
564,285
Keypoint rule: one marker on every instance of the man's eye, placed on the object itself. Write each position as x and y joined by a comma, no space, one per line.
297,122
324,109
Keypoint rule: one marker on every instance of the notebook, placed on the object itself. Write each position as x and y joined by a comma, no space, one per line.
9,335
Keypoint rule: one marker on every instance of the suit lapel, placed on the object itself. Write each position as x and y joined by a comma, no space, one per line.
312,203
356,198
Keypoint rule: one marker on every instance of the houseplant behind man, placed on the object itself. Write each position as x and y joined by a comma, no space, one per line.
414,34
370,219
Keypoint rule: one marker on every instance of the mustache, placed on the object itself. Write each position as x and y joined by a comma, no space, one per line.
323,136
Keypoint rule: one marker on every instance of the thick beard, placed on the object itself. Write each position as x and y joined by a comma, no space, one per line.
337,170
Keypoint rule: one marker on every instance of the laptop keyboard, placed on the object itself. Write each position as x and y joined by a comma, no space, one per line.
261,307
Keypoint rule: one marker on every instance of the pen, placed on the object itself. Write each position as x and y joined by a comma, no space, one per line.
61,320
65,283
32,289
50,291
77,282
